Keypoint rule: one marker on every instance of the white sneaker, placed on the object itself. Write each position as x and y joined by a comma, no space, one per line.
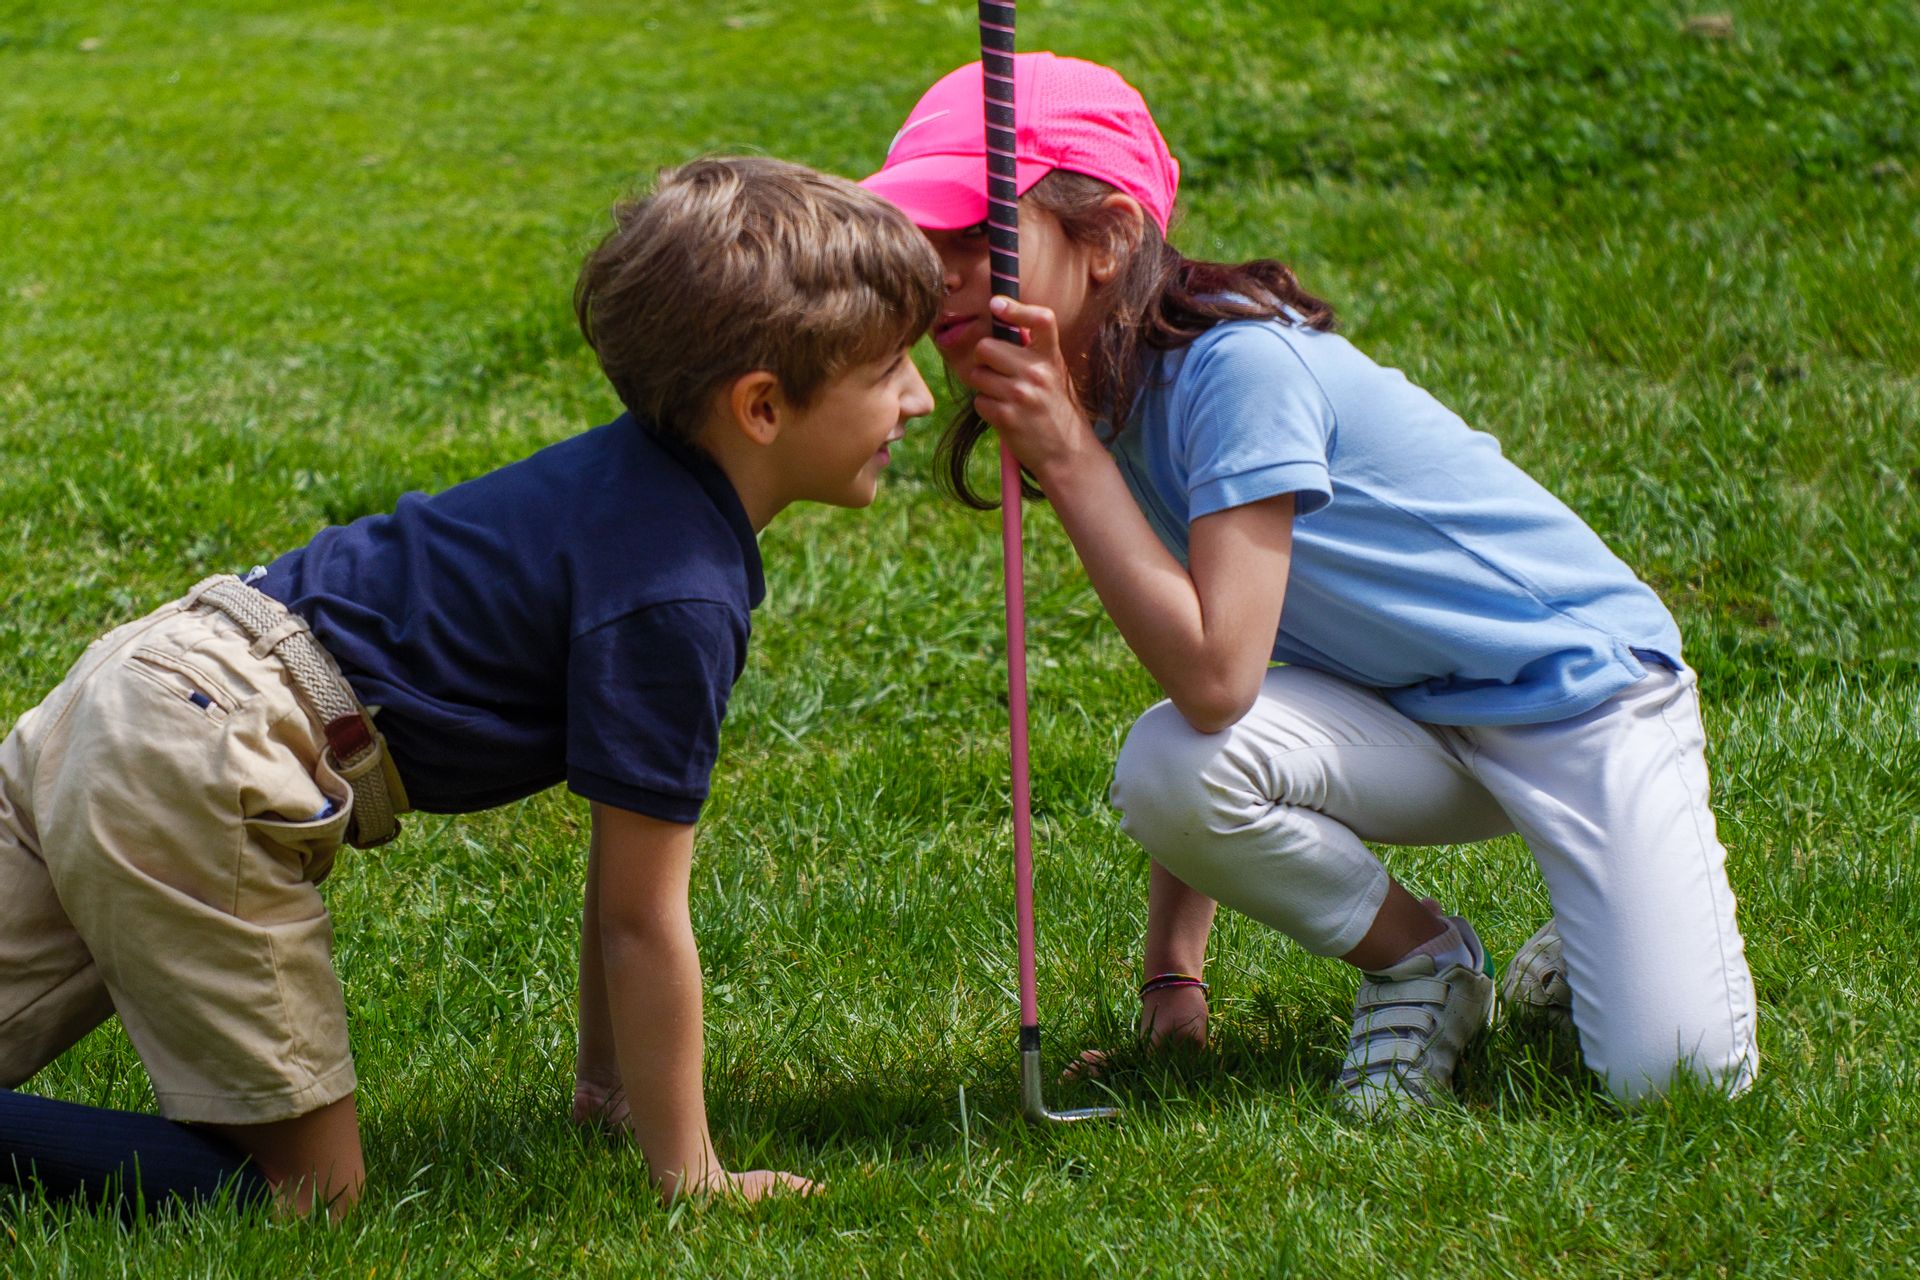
1409,1026
1534,987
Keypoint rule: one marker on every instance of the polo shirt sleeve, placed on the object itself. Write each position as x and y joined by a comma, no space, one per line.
646,694
1251,422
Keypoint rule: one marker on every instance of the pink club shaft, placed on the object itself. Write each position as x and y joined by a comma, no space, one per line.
1003,247
1011,547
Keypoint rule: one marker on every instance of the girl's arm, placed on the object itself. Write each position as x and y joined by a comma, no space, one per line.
651,971
1178,921
1204,632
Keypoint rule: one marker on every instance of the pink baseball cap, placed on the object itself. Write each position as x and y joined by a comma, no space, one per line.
1069,114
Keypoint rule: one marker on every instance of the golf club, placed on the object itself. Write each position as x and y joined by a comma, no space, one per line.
1003,240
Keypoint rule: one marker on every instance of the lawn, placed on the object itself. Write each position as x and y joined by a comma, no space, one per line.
267,267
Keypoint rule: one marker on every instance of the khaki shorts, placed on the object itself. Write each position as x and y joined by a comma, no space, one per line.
158,859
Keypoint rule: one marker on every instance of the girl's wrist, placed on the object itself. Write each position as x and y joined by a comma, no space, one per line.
1172,980
1061,469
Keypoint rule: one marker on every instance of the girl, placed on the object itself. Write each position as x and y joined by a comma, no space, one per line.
1463,656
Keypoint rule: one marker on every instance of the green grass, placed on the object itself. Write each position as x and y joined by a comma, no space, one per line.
263,270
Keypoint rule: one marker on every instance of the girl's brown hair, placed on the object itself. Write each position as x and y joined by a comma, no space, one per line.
1160,300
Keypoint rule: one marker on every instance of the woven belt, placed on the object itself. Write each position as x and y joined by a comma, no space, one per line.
354,747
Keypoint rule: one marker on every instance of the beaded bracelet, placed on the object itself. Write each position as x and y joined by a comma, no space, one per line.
1168,981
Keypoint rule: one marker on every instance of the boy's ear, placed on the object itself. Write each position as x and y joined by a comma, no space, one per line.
755,405
1126,223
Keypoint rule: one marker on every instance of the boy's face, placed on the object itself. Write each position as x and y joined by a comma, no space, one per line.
836,447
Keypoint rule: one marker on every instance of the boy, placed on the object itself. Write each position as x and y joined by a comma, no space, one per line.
166,813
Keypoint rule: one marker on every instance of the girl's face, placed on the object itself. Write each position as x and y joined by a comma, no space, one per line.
1055,273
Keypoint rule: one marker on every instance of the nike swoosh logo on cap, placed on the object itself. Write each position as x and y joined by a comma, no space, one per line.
911,125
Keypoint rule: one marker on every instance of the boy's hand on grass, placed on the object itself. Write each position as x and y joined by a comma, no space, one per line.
604,1106
758,1184
752,1185
1171,1018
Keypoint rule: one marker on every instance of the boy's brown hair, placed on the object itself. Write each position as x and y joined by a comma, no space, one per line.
738,263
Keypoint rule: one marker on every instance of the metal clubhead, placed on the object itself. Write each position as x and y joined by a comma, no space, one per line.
1033,1102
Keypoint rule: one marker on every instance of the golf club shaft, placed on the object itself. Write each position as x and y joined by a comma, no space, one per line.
1003,247
1003,197
1010,543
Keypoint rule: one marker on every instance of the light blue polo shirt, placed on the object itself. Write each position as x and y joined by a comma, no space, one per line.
1424,563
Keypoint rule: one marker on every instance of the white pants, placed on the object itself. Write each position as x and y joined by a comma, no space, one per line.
1268,817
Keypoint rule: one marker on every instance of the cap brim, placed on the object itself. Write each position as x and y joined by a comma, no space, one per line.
946,192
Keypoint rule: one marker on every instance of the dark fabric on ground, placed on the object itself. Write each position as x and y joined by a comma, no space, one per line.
120,1158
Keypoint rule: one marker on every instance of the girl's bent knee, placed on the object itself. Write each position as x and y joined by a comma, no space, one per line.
1653,1077
1157,781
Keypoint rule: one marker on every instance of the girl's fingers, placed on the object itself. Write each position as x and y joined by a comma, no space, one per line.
1005,357
994,413
1005,413
1087,1066
997,393
985,380
1042,329
1030,371
1024,390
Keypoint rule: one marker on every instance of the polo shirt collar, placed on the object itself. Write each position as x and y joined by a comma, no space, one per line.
721,492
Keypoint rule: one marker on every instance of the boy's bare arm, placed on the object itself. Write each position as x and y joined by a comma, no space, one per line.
640,869
597,1095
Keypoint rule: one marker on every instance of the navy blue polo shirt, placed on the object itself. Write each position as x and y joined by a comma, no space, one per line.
580,615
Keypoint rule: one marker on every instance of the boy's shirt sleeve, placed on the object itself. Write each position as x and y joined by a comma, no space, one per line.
646,694
1250,421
